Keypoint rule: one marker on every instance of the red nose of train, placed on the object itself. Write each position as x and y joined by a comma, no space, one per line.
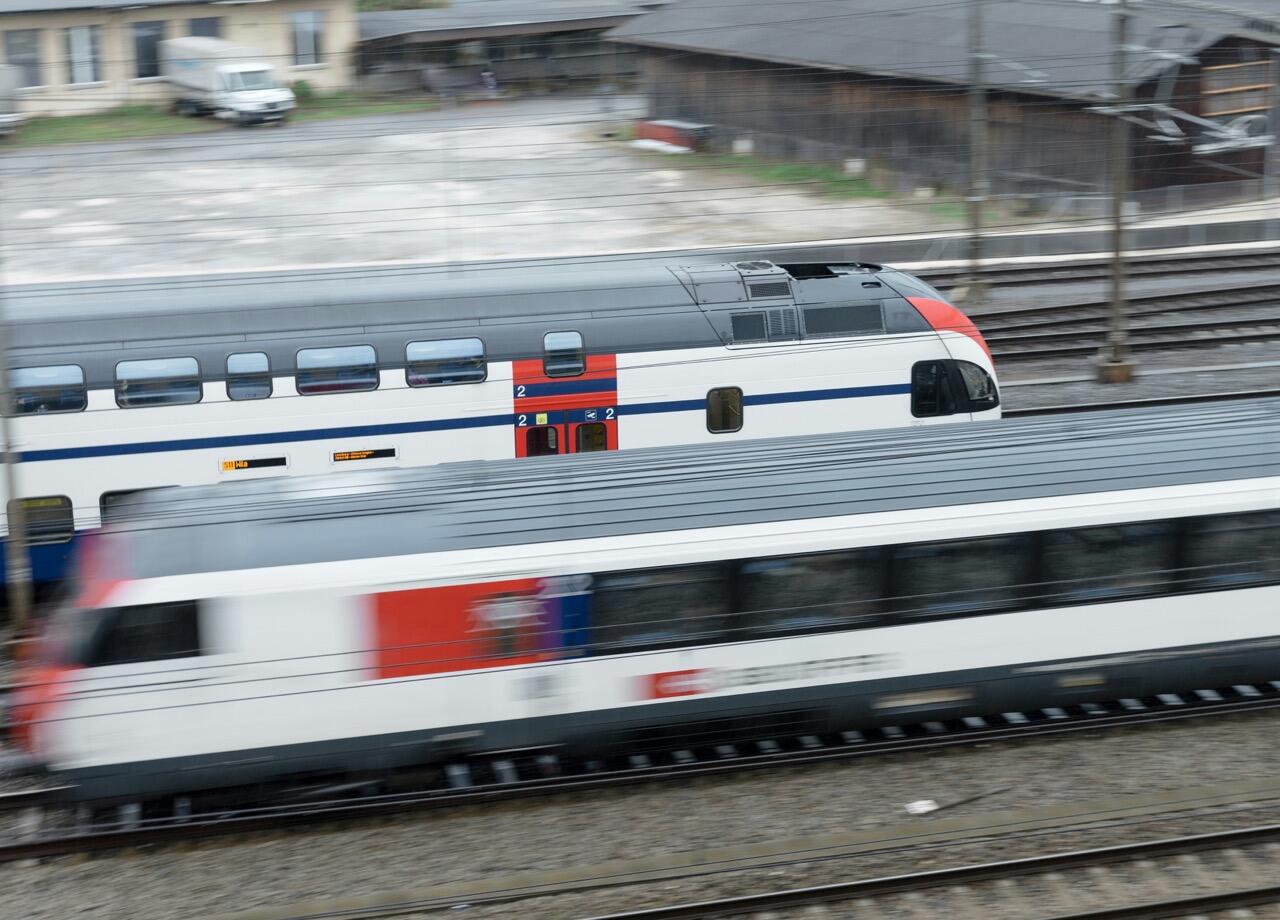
40,690
944,317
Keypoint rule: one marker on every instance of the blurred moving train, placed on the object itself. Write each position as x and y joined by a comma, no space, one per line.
162,384
344,625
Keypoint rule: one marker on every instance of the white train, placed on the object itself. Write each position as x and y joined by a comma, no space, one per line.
349,624
219,380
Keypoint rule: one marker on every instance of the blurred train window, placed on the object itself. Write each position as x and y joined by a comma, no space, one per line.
804,593
345,369
591,437
1233,549
749,327
851,319
724,410
1092,563
49,519
113,505
931,390
157,382
658,607
541,441
147,632
959,576
248,375
40,390
563,354
979,387
434,364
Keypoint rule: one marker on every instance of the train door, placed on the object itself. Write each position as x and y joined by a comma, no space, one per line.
581,431
565,414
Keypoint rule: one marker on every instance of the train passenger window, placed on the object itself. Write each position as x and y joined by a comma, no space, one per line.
541,441
1094,563
433,364
39,390
345,369
563,354
157,382
958,576
850,319
1233,550
248,375
658,607
828,591
931,390
749,327
49,519
113,504
591,437
979,387
147,632
724,410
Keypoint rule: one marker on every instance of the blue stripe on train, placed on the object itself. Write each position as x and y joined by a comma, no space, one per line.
565,387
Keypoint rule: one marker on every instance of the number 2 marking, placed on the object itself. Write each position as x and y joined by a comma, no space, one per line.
524,420
608,413
520,391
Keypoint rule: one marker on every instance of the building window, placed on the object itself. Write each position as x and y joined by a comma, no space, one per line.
49,519
84,56
37,390
308,35
206,27
563,354
248,376
433,364
724,410
157,382
22,50
146,48
337,370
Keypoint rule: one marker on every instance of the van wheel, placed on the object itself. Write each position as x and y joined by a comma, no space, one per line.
184,108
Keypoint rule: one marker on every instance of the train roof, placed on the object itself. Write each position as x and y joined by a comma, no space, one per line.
493,504
348,300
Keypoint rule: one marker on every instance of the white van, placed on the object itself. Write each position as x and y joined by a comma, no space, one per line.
211,76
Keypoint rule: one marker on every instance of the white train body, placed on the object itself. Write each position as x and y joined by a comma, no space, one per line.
86,445
561,608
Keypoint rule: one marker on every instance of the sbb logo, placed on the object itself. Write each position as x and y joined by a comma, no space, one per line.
678,683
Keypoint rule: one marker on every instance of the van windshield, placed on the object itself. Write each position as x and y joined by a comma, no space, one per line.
249,79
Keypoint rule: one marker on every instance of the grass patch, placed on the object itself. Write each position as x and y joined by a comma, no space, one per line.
347,104
122,122
373,6
818,177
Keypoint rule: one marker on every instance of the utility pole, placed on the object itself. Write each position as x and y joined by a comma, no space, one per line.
1115,365
1271,167
979,181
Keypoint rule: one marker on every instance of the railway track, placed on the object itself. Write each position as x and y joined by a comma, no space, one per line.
48,828
1239,867
1100,269
1241,313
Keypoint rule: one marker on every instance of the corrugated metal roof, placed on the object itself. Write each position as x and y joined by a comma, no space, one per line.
1054,47
492,14
529,501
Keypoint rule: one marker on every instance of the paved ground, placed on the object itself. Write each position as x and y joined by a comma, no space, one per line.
523,178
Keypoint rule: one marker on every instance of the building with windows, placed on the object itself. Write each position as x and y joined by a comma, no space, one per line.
80,56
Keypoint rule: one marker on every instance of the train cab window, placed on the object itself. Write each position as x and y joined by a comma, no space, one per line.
248,376
1232,550
41,390
724,410
147,632
658,607
157,382
541,441
1096,563
818,593
931,393
591,437
979,387
49,519
847,320
563,354
443,363
344,369
958,576
749,327
900,316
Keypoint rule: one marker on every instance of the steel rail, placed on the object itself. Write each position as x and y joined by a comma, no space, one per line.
1068,408
931,736
1097,269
